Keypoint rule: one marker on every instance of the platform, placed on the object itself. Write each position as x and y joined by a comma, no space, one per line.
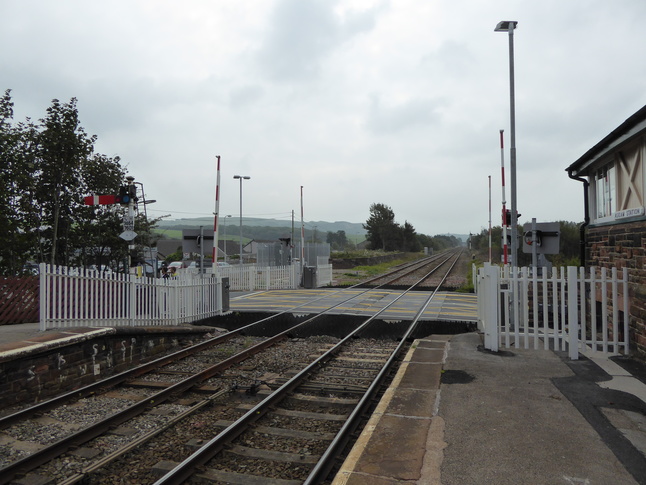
455,414
445,306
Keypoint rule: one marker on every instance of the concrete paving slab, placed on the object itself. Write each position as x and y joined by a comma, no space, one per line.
408,434
511,425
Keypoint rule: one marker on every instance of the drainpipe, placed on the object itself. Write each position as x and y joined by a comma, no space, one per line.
586,208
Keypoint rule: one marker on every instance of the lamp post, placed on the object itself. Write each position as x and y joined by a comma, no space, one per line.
241,177
224,237
509,26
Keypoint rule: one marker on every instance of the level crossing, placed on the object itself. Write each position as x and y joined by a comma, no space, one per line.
445,306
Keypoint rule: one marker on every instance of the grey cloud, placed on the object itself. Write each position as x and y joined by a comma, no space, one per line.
303,32
400,117
451,58
245,95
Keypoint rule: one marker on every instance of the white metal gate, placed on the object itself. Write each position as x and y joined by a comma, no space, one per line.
565,309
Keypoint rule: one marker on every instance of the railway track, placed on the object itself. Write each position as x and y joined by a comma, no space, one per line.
425,274
241,408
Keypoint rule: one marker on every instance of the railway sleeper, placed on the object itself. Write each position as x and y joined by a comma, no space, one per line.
271,455
337,402
211,475
300,414
327,388
269,430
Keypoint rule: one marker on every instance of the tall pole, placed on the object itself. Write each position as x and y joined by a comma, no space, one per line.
489,218
241,177
302,237
224,238
240,253
215,219
505,250
512,148
509,26
291,242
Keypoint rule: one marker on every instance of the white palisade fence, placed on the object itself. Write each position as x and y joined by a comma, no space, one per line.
72,297
571,309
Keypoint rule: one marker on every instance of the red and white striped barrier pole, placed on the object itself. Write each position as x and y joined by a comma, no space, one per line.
505,250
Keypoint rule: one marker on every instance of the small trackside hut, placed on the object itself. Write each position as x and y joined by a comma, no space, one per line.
614,232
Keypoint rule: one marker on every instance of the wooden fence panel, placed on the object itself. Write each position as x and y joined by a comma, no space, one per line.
19,300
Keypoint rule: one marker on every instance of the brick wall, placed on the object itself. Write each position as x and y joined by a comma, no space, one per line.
624,246
39,375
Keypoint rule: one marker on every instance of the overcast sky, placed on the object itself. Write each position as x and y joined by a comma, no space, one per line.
398,102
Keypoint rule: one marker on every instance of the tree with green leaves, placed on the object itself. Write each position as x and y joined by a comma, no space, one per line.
337,240
382,231
63,148
410,241
46,170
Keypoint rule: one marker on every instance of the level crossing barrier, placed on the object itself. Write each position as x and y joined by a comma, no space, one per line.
574,309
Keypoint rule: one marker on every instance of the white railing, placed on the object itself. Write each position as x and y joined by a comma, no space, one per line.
71,297
573,309
249,277
323,275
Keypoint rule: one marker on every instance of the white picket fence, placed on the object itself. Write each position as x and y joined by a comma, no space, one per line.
73,297
250,277
565,309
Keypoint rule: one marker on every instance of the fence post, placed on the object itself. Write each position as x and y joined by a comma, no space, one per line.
573,314
43,296
132,310
489,291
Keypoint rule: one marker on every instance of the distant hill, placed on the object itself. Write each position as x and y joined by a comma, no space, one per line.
265,229
350,228
271,229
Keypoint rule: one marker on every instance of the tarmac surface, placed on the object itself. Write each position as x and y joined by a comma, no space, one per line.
457,414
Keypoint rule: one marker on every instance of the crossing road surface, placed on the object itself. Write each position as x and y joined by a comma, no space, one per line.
445,306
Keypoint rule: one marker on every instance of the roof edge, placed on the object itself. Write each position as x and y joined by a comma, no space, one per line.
630,123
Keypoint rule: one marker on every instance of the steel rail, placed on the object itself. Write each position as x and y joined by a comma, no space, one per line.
415,265
86,472
209,450
79,437
326,462
410,270
111,381
117,379
456,254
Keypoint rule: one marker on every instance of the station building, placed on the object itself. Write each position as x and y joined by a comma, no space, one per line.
614,232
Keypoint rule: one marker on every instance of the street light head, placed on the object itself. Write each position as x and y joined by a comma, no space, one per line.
505,26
